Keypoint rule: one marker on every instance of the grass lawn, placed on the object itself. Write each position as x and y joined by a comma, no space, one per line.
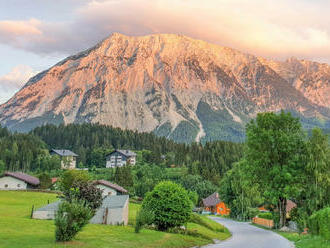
306,241
18,230
302,241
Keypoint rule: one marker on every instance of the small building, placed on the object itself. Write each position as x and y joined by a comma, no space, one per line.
109,188
119,158
113,211
213,204
18,181
68,158
46,212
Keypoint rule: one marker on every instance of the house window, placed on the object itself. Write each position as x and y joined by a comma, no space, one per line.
18,185
6,185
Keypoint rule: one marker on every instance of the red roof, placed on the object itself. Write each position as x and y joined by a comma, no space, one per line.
24,177
111,185
54,180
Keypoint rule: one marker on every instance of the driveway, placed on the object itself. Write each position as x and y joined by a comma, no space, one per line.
245,235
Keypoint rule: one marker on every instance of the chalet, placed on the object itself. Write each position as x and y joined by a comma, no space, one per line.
18,181
68,158
109,188
113,211
214,205
120,158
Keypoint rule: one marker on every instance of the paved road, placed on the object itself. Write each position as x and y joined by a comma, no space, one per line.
245,235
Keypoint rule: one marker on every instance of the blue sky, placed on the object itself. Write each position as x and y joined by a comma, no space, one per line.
35,34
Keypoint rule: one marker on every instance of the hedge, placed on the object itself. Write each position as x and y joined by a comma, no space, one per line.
267,216
319,223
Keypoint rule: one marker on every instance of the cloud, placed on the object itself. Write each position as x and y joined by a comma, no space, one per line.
277,29
14,80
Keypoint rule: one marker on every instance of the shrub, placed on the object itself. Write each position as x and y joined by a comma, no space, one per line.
71,177
144,217
267,216
45,180
170,204
70,218
85,192
319,223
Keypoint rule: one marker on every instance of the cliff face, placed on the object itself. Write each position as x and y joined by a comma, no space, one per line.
173,85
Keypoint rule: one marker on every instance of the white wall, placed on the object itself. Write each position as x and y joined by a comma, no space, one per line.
12,183
106,190
44,215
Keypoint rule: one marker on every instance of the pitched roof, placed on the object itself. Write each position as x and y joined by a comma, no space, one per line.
115,201
50,207
64,153
24,177
126,153
111,185
211,200
290,205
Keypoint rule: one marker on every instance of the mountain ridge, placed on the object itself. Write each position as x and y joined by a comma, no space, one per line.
178,87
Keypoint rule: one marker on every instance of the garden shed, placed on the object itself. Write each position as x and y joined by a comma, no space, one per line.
113,211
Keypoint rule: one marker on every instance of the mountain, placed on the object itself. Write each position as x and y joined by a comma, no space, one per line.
173,85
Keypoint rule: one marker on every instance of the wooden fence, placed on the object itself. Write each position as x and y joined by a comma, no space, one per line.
263,222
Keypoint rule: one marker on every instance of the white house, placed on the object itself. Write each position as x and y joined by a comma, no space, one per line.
68,158
113,211
120,158
109,188
18,181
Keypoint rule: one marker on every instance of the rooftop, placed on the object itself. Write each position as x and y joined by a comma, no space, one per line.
64,153
211,200
24,177
110,185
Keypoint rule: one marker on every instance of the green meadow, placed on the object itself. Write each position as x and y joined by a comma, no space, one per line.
17,229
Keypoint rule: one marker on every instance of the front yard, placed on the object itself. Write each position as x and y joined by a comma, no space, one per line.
18,230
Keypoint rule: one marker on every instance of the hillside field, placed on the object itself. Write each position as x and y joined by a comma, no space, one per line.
18,230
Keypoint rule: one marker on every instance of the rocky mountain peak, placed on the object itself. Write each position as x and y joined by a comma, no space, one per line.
173,85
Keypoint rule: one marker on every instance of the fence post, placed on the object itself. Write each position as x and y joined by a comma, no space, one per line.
32,211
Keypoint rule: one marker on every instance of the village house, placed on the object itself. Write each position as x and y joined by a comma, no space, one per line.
18,181
113,211
213,204
120,158
109,188
68,158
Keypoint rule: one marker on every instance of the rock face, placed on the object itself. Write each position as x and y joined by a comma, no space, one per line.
178,87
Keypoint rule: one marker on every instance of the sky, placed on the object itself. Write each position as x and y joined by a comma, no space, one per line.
36,34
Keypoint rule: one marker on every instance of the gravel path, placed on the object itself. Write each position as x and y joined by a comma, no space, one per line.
245,235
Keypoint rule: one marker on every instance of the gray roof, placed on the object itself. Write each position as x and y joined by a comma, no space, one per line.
24,177
115,201
126,153
50,207
110,185
211,200
64,153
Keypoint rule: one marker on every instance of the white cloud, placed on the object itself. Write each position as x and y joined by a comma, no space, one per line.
11,82
277,29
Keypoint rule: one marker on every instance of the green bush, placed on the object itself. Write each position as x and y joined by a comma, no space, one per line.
70,177
70,218
319,223
144,217
267,216
170,204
